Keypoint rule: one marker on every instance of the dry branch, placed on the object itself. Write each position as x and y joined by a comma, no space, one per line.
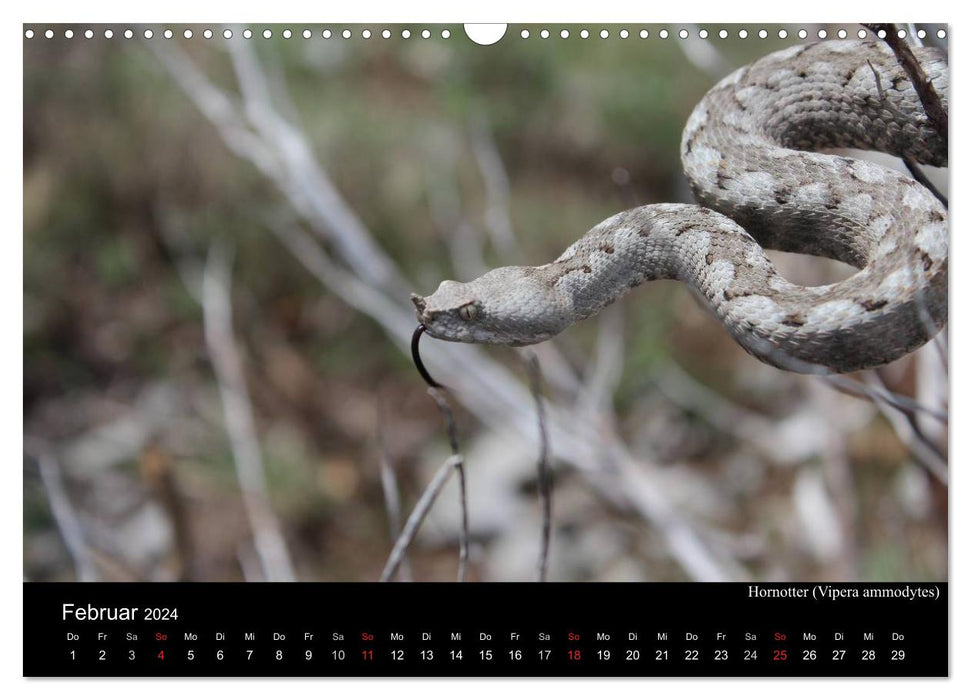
425,503
439,396
65,517
926,92
392,496
217,313
490,392
545,474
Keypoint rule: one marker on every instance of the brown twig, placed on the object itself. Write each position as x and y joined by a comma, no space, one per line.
926,92
543,466
439,396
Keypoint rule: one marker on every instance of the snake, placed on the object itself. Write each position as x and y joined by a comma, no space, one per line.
761,152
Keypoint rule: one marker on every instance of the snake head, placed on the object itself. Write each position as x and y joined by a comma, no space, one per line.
506,306
450,312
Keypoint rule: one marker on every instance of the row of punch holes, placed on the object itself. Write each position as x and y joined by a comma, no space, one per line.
446,33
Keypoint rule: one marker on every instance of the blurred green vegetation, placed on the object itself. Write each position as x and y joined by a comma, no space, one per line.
116,158
114,151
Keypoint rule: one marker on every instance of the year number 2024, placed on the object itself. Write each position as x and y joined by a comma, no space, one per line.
161,614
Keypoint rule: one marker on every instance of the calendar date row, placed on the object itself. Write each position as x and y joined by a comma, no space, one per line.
369,655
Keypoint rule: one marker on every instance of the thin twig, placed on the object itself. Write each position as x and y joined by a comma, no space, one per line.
899,419
760,431
902,403
926,92
217,314
417,516
912,434
66,519
918,174
545,475
392,496
875,378
464,532
439,396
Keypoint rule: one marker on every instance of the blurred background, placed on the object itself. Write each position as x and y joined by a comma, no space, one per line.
220,238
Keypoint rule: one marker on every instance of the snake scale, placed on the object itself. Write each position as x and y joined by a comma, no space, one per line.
751,153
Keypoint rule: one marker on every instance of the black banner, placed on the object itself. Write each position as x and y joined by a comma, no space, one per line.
486,629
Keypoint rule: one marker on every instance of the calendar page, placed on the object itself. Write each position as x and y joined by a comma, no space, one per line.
485,350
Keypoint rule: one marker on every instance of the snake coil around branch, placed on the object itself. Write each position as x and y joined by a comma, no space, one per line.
750,151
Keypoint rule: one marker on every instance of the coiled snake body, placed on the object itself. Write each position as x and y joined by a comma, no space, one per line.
746,153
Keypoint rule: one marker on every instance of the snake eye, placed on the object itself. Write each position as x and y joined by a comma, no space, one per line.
468,312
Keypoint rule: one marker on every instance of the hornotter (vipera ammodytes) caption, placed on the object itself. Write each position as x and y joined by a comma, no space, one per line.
747,153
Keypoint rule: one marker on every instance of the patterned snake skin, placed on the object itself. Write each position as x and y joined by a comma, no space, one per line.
745,151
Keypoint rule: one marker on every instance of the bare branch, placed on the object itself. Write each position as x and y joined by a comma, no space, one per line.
922,84
545,474
899,418
498,401
491,392
439,396
911,434
217,318
417,516
759,431
392,496
283,153
65,517
464,530
902,403
918,174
